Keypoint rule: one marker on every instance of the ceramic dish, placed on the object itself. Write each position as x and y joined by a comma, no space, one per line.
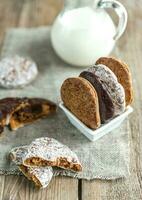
94,135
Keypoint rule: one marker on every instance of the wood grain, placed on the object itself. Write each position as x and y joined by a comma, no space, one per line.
9,15
2,185
38,13
19,188
29,13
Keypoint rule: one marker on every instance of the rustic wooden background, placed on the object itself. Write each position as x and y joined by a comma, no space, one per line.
32,13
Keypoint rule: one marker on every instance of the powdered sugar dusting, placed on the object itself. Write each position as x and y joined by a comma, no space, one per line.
17,153
51,150
111,85
17,71
42,174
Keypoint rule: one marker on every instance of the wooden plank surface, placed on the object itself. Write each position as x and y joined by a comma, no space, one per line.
19,188
15,13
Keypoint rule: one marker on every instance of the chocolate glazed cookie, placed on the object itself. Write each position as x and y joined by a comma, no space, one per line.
110,92
17,112
105,103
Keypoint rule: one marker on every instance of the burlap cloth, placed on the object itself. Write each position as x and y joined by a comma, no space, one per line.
107,158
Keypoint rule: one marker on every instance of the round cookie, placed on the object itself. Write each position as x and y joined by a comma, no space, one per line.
121,70
80,97
110,93
17,72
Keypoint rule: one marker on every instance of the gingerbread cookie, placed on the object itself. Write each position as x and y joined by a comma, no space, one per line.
80,97
17,72
110,93
49,152
41,176
121,70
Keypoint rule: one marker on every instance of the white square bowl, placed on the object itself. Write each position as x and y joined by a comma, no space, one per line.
94,135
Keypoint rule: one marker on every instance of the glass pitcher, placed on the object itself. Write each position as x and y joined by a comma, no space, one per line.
84,31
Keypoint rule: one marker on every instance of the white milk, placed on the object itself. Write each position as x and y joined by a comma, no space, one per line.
80,36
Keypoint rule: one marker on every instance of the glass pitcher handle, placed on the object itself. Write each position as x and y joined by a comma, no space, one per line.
120,11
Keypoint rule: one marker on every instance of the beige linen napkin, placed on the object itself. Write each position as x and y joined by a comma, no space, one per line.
107,158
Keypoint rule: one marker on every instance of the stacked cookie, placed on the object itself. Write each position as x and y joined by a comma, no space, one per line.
100,93
36,160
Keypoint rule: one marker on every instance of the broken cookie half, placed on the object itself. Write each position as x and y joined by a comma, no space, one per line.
36,160
41,176
17,112
49,152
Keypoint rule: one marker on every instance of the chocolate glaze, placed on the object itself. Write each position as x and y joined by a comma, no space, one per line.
9,107
106,106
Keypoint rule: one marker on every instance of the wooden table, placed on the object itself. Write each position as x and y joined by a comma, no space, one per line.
32,13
